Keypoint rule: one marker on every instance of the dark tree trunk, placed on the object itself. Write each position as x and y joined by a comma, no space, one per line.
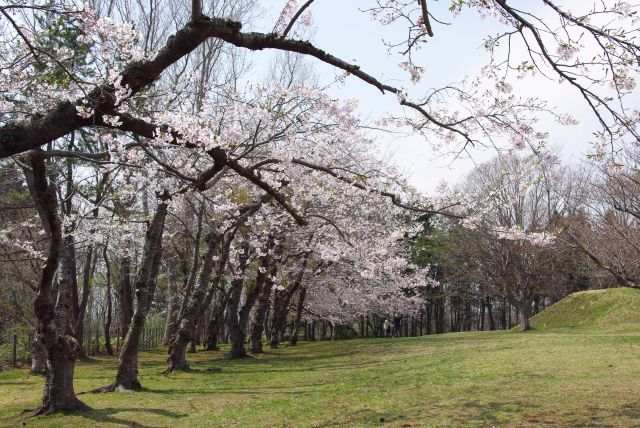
125,294
293,341
525,312
492,321
61,350
429,311
509,315
312,331
107,323
194,339
281,305
260,316
213,328
253,294
439,315
232,319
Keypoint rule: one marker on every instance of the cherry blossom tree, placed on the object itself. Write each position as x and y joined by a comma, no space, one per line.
167,120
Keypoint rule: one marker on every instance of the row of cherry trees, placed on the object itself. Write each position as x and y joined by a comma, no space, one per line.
152,160
539,231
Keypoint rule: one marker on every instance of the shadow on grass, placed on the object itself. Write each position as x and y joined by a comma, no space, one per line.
631,410
18,382
495,412
106,415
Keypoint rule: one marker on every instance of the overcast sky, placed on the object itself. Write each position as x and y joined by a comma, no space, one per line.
456,51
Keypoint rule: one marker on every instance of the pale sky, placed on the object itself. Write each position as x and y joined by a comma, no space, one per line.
455,51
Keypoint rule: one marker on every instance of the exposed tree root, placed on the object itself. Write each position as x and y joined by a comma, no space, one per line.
118,387
68,406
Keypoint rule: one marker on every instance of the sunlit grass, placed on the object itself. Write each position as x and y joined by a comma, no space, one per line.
598,308
577,377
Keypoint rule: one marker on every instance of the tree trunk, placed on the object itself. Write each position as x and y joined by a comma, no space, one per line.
39,359
125,294
232,319
261,278
82,309
107,323
194,339
428,312
281,305
127,373
65,287
61,350
293,341
172,309
260,316
191,311
212,330
525,311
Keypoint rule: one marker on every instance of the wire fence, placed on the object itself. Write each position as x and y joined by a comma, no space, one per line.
16,350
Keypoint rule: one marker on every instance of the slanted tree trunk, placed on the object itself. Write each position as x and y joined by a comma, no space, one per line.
193,274
61,350
293,340
281,305
216,324
191,312
260,316
127,373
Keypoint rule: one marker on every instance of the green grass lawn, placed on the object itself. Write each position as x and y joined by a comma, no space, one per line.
572,376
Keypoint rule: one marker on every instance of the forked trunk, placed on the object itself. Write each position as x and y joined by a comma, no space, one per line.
61,350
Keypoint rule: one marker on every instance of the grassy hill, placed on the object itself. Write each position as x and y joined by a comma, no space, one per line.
593,308
588,377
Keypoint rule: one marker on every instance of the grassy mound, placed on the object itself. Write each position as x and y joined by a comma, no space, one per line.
593,308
